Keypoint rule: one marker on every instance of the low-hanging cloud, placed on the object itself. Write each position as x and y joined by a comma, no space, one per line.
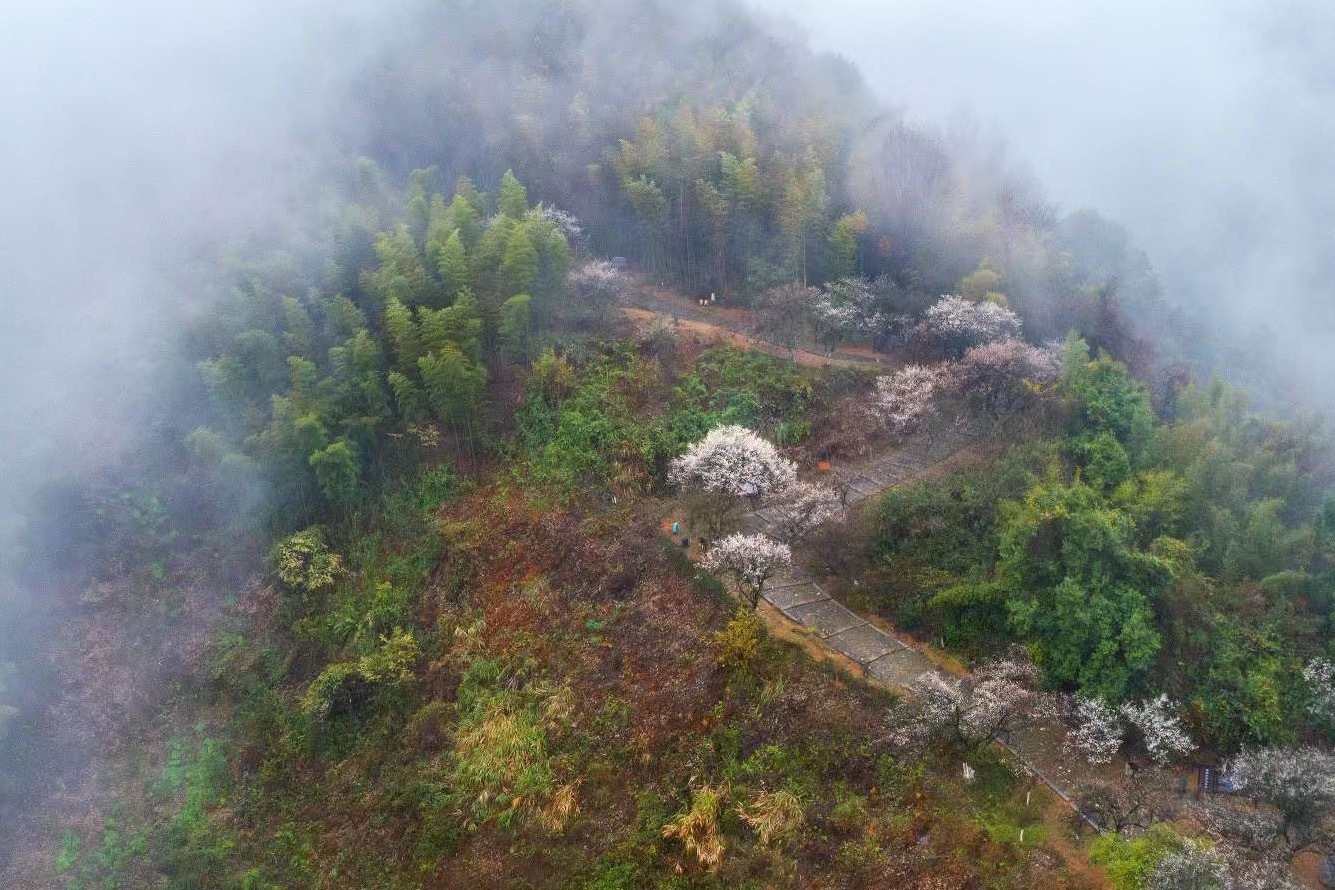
133,133
1203,125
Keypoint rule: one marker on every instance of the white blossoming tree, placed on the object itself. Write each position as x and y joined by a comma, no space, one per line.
803,507
953,324
904,399
1320,677
846,309
1298,783
565,222
1159,728
1194,867
595,288
728,465
750,560
1098,732
1000,698
1002,375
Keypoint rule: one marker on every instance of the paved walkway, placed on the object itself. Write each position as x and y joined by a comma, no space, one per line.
797,595
884,658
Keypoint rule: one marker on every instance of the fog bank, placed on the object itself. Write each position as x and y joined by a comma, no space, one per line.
1203,125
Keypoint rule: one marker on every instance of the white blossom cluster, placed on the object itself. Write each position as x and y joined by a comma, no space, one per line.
566,223
750,559
803,507
849,307
598,280
959,323
1320,677
903,399
1011,359
733,460
1193,867
1160,728
1100,730
1000,698
1286,776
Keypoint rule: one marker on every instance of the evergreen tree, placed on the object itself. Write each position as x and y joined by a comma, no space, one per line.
459,325
843,245
519,264
452,265
453,386
514,328
514,197
337,472
405,344
466,219
400,274
298,329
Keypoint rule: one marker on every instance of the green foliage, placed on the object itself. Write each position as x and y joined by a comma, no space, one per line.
502,765
104,867
452,265
1129,862
519,262
342,687
304,562
338,472
1140,553
514,197
452,386
514,327
935,544
737,645
1079,591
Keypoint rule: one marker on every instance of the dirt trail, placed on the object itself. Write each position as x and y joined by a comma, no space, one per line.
645,303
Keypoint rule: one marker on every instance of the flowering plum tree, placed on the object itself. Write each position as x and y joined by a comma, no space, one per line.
730,463
848,308
1001,375
1299,783
803,507
596,287
953,324
1001,698
1159,727
751,560
1194,867
1320,676
565,222
904,399
1098,731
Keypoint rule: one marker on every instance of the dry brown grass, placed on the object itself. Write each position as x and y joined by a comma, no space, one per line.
698,827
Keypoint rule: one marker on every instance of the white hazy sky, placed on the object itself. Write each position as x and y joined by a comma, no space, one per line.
1205,125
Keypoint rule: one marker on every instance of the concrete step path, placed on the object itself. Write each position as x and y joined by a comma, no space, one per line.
883,657
799,597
